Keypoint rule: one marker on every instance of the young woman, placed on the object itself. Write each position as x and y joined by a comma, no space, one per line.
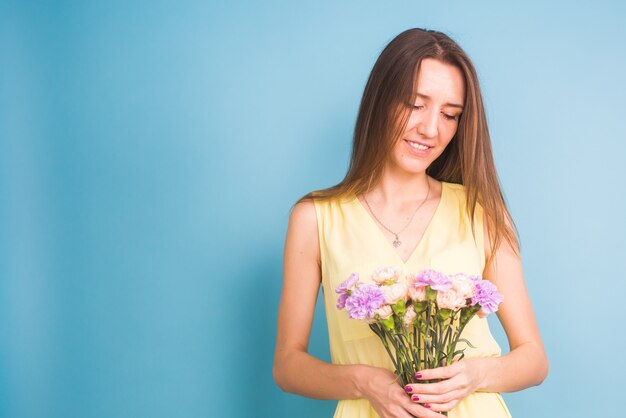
421,192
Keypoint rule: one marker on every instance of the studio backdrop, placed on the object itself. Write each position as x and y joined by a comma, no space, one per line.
150,152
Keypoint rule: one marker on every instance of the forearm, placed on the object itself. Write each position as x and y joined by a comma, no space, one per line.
300,373
523,367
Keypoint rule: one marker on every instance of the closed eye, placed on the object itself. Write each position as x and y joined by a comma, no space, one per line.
445,115
451,117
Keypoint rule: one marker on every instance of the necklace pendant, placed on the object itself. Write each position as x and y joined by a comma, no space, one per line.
397,242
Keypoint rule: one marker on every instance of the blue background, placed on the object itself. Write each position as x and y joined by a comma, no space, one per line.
150,153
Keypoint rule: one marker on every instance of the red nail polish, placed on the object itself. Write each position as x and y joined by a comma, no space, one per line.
408,388
426,405
418,375
415,398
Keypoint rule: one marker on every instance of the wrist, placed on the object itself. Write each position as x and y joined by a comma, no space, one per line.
487,368
360,379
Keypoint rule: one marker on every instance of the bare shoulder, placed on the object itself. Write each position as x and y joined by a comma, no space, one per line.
301,280
304,215
302,236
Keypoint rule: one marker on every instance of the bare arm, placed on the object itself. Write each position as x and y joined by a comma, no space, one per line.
295,370
298,372
526,364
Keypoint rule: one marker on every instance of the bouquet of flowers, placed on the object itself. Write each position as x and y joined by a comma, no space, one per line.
420,319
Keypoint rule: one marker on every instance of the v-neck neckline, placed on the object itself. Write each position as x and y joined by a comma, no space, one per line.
425,234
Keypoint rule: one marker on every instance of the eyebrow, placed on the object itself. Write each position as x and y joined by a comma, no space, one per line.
423,96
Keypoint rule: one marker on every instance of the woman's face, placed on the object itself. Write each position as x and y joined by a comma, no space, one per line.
434,117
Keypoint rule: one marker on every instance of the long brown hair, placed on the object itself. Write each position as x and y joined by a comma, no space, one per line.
467,159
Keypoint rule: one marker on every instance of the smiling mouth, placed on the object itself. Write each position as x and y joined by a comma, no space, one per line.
417,145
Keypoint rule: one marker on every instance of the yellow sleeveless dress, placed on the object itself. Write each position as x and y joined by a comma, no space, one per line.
351,241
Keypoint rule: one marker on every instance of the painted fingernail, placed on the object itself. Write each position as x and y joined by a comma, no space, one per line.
418,375
426,405
408,388
415,398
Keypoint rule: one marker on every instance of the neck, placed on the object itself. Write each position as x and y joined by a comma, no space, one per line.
398,188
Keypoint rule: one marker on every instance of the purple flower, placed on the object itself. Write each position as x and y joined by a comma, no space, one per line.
472,277
345,288
364,300
341,302
487,296
433,278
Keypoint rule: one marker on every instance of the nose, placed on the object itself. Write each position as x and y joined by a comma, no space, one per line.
427,126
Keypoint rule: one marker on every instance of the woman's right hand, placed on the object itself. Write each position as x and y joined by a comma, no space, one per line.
382,388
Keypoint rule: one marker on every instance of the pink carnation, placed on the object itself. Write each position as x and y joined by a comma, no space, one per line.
386,275
417,294
463,286
384,312
450,300
409,316
395,292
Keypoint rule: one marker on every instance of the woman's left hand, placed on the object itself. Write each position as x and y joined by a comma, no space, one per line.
461,379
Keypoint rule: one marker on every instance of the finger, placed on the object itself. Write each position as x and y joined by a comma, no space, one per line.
429,388
443,398
398,409
403,414
422,411
443,407
444,372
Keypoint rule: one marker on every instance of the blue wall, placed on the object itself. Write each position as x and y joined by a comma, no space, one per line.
150,153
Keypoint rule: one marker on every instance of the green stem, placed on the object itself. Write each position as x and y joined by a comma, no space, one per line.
382,334
428,337
413,359
448,338
436,340
459,331
402,349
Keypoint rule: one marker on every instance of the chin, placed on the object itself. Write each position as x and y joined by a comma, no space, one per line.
413,170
